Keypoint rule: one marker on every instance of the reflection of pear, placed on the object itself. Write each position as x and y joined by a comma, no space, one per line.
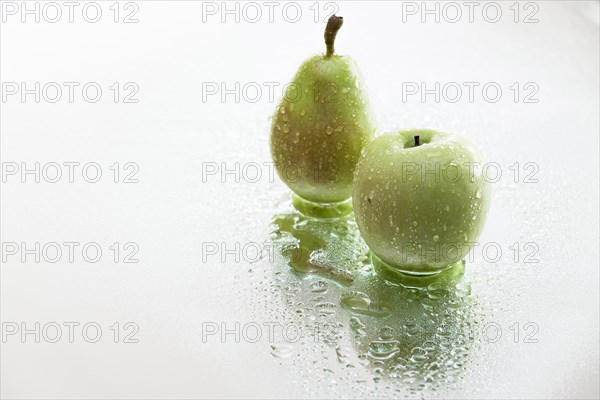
309,253
321,125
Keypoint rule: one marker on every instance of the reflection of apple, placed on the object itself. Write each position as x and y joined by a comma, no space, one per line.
420,200
404,334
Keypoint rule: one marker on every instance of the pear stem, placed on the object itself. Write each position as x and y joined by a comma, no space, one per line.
417,141
333,26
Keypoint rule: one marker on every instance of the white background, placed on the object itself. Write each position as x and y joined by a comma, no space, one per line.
170,53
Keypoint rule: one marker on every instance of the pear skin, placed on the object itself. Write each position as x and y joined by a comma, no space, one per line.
321,126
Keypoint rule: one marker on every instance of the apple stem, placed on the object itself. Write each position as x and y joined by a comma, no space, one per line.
417,141
333,26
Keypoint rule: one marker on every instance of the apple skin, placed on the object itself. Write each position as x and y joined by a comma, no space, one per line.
415,220
320,127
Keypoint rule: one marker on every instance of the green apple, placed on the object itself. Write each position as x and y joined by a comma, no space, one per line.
321,125
420,199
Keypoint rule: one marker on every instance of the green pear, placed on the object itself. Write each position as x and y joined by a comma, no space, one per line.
321,125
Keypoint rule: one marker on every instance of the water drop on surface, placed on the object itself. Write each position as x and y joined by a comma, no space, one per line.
281,350
357,326
318,287
387,333
360,303
383,349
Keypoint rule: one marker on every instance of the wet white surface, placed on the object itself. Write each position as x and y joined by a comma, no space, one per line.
176,290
